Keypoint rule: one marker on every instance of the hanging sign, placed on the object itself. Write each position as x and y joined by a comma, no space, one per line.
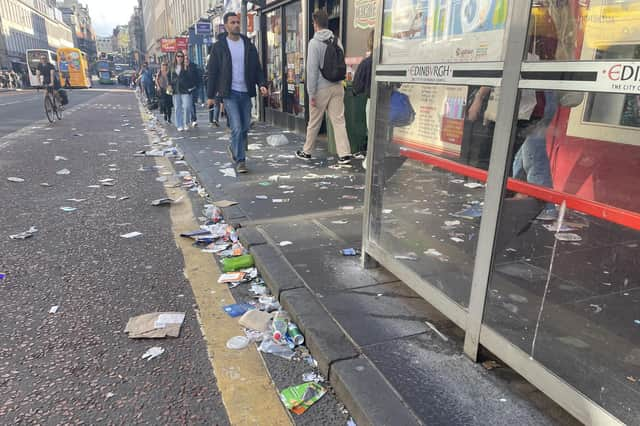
364,16
168,45
182,43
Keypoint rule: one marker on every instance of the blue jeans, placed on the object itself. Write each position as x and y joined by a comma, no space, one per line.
214,113
183,109
238,108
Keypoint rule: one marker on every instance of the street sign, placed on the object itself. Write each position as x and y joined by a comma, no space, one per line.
168,45
203,28
182,43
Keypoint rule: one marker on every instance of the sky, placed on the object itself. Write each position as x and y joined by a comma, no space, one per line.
107,14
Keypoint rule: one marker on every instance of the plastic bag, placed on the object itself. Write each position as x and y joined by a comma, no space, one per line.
270,347
277,140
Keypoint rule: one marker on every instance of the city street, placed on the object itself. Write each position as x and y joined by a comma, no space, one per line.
71,287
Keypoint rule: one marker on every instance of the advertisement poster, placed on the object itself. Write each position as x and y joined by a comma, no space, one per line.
443,31
364,16
439,122
168,45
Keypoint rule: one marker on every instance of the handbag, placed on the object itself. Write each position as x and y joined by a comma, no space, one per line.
401,113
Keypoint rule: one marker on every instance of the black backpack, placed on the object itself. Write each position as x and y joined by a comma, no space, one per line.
335,68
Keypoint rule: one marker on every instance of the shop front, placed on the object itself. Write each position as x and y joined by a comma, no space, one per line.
502,184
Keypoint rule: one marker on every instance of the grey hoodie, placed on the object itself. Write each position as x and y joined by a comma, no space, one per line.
315,61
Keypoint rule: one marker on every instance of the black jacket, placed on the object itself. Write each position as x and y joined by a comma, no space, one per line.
219,69
362,79
182,84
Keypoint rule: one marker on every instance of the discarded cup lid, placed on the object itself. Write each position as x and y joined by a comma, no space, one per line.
238,342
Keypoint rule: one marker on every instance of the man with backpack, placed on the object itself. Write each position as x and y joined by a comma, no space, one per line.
326,69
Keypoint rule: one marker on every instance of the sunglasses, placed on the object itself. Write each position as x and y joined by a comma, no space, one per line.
179,56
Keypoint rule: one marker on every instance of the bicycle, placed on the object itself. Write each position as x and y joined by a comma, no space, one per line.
52,105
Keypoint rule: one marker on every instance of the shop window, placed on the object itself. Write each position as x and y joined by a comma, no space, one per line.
452,31
564,285
295,49
585,30
432,149
274,59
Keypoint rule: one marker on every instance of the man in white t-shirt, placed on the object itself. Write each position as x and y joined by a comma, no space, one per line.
234,71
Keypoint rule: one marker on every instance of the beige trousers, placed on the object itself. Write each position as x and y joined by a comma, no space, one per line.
330,99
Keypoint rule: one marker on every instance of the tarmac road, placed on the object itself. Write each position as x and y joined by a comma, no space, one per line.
77,366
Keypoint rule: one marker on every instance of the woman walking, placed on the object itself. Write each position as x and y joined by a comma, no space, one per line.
181,84
162,87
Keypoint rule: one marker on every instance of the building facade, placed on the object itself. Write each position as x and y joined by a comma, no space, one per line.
120,42
103,44
137,45
30,24
77,17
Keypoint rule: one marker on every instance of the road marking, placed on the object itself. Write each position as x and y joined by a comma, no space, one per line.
247,390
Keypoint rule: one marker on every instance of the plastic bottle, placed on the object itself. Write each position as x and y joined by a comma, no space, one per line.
231,264
279,325
294,334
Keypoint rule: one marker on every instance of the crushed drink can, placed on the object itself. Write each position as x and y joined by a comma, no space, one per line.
294,333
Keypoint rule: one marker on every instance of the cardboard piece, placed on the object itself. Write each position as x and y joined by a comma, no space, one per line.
256,320
225,203
156,325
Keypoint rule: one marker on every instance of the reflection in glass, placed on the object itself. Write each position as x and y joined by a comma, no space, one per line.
427,213
295,49
274,59
565,286
566,30
443,31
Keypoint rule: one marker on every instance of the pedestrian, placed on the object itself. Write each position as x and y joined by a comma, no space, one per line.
324,94
181,85
146,80
196,76
234,72
164,96
362,82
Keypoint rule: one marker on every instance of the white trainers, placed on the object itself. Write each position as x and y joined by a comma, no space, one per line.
194,124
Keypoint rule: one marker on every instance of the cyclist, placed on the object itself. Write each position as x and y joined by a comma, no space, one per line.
47,72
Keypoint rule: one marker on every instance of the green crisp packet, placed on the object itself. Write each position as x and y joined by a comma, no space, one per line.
300,397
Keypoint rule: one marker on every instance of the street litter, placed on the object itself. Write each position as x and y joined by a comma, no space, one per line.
276,178
123,198
472,212
77,200
473,185
284,243
238,342
349,252
45,184
270,347
161,179
2,275
155,325
557,227
111,197
152,353
108,184
300,398
254,147
68,209
386,211
262,197
224,203
165,201
93,186
59,158
63,172
277,140
107,180
596,308
457,240
237,309
312,377
491,364
347,208
339,222
435,253
568,237
131,234
238,262
23,235
15,179
433,327
54,309
231,277
255,319
228,172
451,223
408,256
280,200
